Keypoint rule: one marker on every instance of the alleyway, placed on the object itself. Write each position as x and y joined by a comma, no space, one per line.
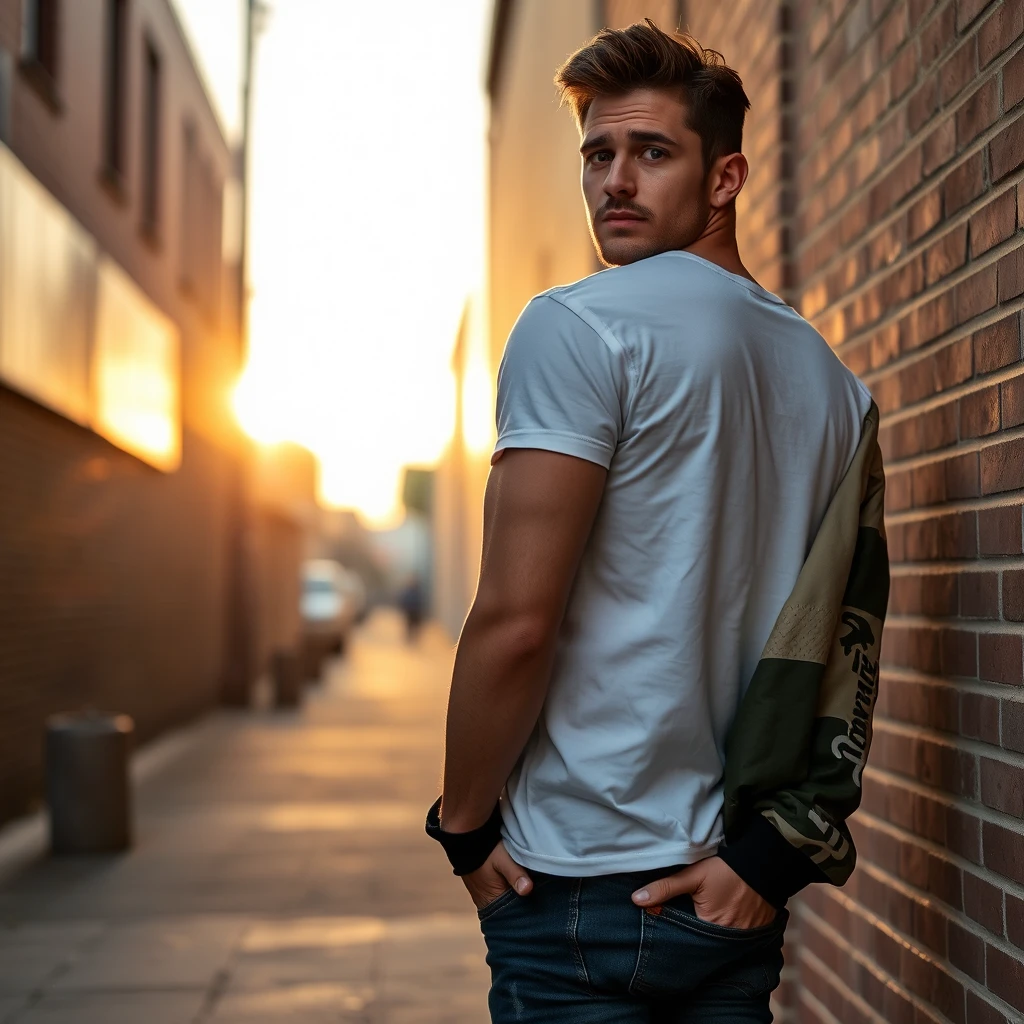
280,872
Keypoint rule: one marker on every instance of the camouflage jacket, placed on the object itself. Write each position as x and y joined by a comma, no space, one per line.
796,751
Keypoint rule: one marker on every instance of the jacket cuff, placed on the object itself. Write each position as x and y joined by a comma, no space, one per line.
773,868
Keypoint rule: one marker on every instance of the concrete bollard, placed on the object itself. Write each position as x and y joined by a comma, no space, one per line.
286,671
87,787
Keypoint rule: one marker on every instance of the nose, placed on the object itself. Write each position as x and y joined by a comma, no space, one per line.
619,181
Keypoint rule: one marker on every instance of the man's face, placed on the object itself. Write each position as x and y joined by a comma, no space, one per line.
643,176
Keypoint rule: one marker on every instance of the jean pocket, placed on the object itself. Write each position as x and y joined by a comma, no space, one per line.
682,953
683,912
497,903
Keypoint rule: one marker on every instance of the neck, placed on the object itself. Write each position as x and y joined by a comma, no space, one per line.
717,244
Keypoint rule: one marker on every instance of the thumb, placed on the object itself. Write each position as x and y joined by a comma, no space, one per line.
516,877
655,893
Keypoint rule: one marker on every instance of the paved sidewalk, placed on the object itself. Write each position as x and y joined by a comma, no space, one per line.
280,872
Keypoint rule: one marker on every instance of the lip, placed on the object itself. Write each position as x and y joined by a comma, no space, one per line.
620,216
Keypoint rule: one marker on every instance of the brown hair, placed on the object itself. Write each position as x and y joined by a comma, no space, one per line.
617,61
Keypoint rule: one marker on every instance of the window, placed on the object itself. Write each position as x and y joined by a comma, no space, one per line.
117,38
39,50
151,142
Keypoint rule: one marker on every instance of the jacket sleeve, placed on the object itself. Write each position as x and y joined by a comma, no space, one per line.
796,752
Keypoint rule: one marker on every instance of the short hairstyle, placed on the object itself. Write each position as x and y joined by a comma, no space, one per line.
617,61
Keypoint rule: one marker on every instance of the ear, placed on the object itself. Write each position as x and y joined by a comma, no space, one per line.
728,178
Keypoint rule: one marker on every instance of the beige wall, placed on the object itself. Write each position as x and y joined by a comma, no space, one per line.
462,475
538,229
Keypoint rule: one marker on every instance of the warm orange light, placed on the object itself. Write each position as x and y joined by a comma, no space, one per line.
135,371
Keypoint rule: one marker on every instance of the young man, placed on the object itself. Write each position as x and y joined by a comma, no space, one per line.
672,438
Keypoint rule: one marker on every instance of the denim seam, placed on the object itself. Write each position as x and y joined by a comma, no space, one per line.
641,957
571,934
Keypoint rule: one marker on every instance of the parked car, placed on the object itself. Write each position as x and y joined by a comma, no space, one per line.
329,608
353,586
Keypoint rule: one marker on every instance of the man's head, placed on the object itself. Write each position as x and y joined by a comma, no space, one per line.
661,122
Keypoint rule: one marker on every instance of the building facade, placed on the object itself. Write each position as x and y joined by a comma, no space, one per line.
123,477
886,204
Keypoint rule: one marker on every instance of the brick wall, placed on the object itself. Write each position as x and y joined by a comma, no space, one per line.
903,145
113,584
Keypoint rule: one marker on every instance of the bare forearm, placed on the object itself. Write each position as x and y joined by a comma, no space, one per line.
498,688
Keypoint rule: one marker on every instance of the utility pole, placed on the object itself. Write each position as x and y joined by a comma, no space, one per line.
254,9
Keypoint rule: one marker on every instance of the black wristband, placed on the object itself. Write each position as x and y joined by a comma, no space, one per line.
773,868
466,851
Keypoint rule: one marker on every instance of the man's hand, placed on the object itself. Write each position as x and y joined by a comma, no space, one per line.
496,875
720,896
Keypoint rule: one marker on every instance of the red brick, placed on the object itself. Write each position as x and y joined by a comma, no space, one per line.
979,413
964,184
1002,786
1006,150
1005,977
924,595
946,254
999,531
937,35
1013,81
885,345
979,718
1013,595
924,214
963,477
959,69
1011,275
897,491
963,834
1002,467
939,147
994,222
941,537
968,10
1015,920
997,346
978,114
983,902
893,32
953,364
904,70
1003,851
1011,399
1012,725
929,483
929,321
1000,658
959,653
978,1010
923,103
975,294
918,10
999,32
914,648
966,952
979,595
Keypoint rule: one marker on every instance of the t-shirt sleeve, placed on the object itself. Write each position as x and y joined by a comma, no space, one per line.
562,387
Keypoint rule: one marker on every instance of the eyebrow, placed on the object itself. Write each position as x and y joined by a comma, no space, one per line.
634,135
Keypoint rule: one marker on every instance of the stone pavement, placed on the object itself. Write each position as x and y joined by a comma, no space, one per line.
280,872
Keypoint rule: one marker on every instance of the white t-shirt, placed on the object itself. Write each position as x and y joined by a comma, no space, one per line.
726,423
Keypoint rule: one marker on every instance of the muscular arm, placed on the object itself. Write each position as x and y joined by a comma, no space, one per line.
539,508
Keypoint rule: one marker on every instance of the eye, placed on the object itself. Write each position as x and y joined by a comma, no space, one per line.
654,153
600,156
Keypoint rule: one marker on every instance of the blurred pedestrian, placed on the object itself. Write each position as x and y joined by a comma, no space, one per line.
669,669
412,601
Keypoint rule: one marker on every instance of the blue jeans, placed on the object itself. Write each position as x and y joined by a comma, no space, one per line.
578,951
